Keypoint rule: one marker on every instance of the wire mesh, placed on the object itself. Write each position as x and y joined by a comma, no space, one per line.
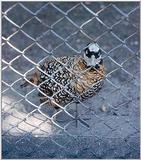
107,125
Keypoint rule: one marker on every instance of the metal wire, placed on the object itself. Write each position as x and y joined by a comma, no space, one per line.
113,27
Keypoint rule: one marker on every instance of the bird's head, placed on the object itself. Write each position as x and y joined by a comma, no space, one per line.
92,55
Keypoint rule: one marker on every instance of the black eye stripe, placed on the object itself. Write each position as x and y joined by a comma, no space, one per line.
96,55
89,54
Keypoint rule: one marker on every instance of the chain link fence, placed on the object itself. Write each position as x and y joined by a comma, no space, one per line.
108,125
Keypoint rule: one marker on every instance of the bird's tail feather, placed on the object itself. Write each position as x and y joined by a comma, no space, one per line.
34,78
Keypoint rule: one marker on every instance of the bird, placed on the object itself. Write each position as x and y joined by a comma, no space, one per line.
65,79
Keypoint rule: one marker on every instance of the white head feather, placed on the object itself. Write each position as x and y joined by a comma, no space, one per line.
93,47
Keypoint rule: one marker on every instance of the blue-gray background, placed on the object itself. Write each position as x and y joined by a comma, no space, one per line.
33,30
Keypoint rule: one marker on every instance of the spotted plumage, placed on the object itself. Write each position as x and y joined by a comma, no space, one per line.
65,79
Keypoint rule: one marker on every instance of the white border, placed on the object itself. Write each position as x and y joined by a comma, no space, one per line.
65,1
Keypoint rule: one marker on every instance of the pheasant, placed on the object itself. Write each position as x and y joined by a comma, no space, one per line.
66,79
